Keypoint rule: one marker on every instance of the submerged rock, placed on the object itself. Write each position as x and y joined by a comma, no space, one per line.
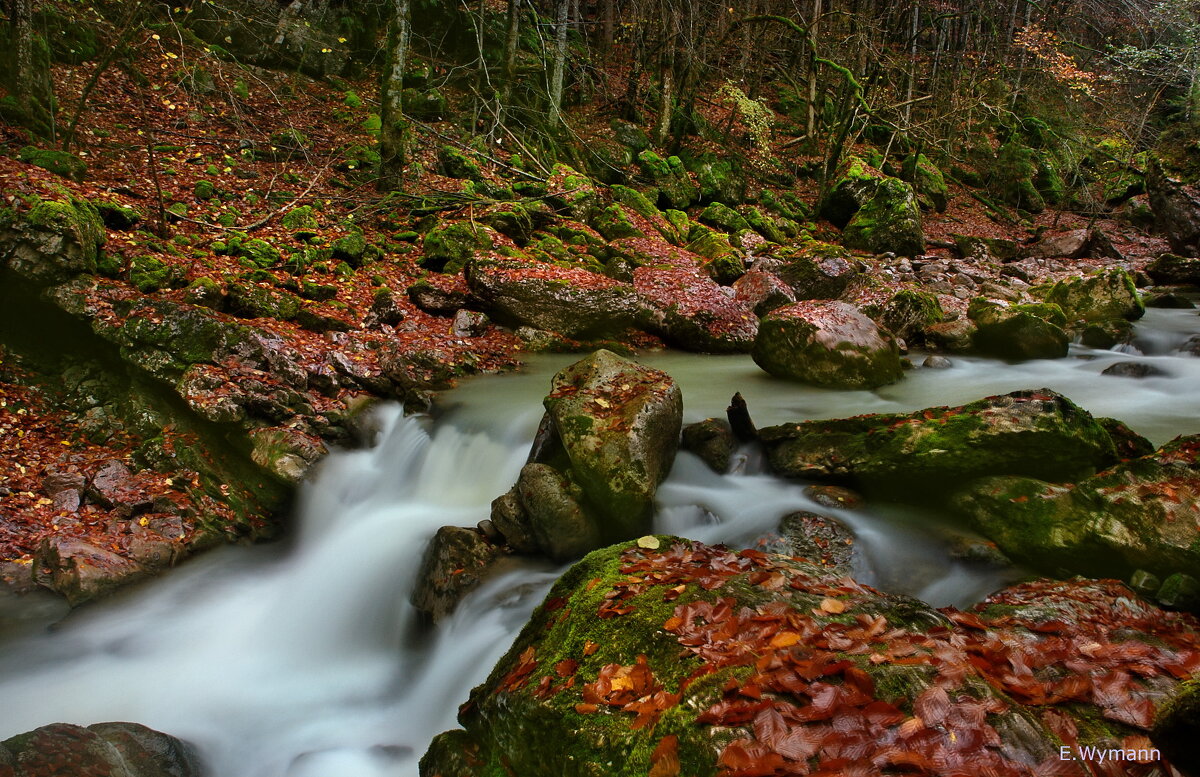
116,749
454,564
1140,514
828,344
1038,433
671,657
712,440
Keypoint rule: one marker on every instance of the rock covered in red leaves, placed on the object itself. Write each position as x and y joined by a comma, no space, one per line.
828,344
100,750
670,657
691,311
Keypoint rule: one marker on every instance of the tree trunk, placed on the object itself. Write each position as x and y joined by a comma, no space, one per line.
32,88
814,31
609,24
559,66
393,131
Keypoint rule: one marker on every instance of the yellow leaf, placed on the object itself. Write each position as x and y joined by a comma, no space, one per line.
785,639
833,606
649,541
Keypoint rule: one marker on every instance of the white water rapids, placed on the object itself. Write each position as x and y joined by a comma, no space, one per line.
305,659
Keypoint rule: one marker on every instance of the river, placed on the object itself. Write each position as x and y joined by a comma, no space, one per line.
304,658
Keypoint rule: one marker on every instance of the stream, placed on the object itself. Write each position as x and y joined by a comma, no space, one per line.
304,658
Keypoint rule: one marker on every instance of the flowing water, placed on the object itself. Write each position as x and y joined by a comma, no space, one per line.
306,659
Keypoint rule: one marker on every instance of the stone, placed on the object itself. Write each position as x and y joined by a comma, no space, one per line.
908,314
828,344
818,539
58,162
449,247
1138,514
936,362
575,303
1037,433
675,188
81,571
434,300
1108,294
813,270
1178,727
468,323
1069,245
554,518
889,221
1176,209
1145,583
691,311
455,563
385,310
1133,370
52,242
1180,592
664,662
712,440
1019,332
956,336
1175,270
1129,444
763,291
115,749
1169,300
856,186
1107,334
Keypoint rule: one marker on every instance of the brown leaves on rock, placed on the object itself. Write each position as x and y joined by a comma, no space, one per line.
630,688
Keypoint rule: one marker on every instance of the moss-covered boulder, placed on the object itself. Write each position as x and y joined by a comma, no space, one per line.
456,164
1019,332
908,314
354,249
985,249
607,440
828,344
252,300
1176,207
688,309
301,222
256,251
927,180
613,223
889,222
448,248
1106,295
58,162
669,657
1011,174
1173,269
117,749
1178,726
675,187
149,274
572,302
718,178
1140,514
572,192
1033,433
455,563
856,185
812,269
763,291
51,242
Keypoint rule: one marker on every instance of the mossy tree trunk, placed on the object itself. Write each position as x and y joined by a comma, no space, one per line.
393,130
559,65
31,82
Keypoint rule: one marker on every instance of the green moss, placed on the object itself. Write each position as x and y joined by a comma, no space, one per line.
58,162
889,221
301,222
613,223
150,274
456,164
724,218
448,248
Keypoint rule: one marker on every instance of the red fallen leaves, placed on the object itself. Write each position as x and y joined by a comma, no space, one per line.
664,761
518,676
631,688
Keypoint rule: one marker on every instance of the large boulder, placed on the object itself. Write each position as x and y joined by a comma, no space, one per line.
607,440
889,222
827,344
691,311
115,749
572,302
675,186
1037,433
1106,295
1019,332
1140,514
1178,727
856,185
52,242
81,571
1176,209
669,657
1173,269
813,270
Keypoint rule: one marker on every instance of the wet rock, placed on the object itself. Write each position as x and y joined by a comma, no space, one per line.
1180,592
52,242
574,303
285,452
818,539
1130,444
454,564
675,188
436,301
827,344
689,310
468,323
985,249
813,270
712,440
908,313
1176,209
1140,514
1169,300
763,291
1038,433
619,424
554,518
1109,294
834,496
116,749
600,673
1019,332
1178,726
510,519
80,571
1107,334
952,336
1173,269
113,484
936,362
1133,370
890,221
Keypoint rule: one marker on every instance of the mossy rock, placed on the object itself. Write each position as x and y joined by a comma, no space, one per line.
204,190
856,184
117,217
53,241
1036,433
776,230
908,313
718,179
830,344
572,191
670,657
928,182
889,222
1019,332
457,164
425,105
58,162
301,222
449,247
613,223
675,188
258,252
1178,727
1139,514
722,217
150,274
252,301
1108,294
354,250
1011,177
